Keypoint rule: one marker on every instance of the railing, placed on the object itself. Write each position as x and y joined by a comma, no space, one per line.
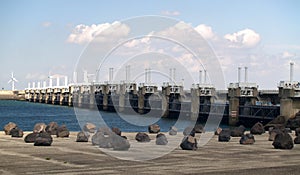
262,112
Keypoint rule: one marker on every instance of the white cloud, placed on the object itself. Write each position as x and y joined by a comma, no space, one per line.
102,32
46,24
246,38
287,54
205,31
170,13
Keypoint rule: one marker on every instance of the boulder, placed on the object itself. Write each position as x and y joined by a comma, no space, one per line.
189,131
117,131
16,132
218,131
297,140
257,129
189,143
89,127
62,131
8,127
278,122
30,138
297,131
51,128
39,127
198,128
225,135
82,137
238,131
247,139
173,131
161,139
283,141
43,139
273,132
105,130
293,123
102,139
142,137
154,128
119,143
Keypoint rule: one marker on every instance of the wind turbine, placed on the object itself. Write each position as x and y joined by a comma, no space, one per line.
12,81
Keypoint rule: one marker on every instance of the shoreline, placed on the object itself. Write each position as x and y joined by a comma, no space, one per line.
65,156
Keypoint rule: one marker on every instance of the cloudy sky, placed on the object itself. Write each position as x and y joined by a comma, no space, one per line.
38,38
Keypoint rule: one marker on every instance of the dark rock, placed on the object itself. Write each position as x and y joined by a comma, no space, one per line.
16,132
199,128
119,143
43,139
62,131
293,123
238,131
103,138
297,131
116,131
283,141
278,122
51,128
288,130
82,137
189,131
142,137
39,127
173,131
154,128
297,140
225,135
273,132
30,138
247,139
161,139
257,129
189,143
105,130
218,131
89,127
8,127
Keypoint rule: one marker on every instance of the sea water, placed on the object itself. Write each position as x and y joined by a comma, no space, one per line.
27,114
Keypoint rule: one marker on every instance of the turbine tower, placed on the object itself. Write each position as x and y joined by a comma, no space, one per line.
12,80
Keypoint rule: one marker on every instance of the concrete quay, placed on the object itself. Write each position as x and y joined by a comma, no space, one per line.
65,156
12,95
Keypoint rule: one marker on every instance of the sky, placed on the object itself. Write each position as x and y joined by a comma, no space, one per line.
42,38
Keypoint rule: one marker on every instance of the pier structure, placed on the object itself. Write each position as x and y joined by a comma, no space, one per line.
202,96
244,101
240,95
172,99
289,93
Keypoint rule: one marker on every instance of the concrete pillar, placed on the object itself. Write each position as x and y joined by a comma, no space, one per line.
234,104
286,108
141,101
92,104
105,97
195,103
70,96
165,99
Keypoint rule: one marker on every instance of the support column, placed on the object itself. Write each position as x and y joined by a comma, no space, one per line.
195,103
234,103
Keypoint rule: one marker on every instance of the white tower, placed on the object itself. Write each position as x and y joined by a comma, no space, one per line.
12,80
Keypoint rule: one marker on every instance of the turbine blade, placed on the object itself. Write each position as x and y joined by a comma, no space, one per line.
14,79
9,81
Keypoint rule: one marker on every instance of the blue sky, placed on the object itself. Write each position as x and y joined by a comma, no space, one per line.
34,33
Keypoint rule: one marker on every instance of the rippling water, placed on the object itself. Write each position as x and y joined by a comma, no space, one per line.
27,114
